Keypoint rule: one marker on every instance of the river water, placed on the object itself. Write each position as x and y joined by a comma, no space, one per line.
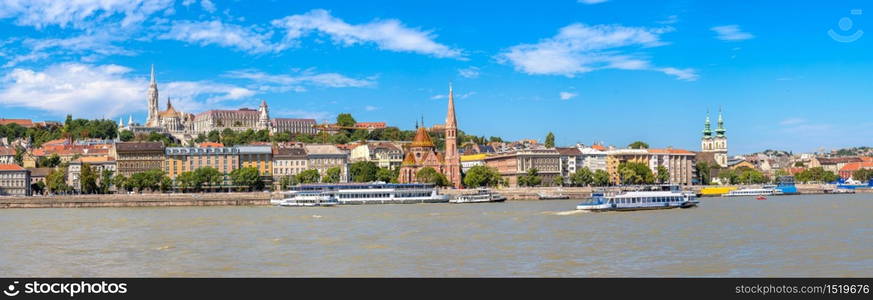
810,235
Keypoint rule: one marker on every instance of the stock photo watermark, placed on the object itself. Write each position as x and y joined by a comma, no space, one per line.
846,25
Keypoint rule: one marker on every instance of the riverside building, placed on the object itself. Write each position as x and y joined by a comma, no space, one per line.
288,161
14,180
322,157
187,159
512,165
137,157
97,164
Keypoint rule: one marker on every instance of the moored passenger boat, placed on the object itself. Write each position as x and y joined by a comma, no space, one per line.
309,199
377,192
548,196
481,196
669,197
765,191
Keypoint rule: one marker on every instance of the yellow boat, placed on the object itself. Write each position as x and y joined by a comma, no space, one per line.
716,191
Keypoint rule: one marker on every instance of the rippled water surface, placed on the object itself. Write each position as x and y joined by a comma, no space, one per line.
821,235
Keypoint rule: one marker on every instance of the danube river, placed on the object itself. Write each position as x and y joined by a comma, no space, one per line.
814,235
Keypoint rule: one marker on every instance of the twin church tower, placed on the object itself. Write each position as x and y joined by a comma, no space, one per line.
715,144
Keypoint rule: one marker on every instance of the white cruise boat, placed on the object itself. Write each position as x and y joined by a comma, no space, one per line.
376,193
765,191
481,196
668,197
308,199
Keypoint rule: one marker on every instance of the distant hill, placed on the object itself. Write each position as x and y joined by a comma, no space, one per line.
854,151
771,153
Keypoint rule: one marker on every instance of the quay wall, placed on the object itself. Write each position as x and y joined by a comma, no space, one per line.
137,200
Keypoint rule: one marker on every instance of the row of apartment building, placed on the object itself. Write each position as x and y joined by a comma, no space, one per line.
565,161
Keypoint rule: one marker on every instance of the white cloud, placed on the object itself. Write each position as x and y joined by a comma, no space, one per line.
248,39
591,1
567,95
681,74
83,90
80,13
370,108
298,81
207,5
731,33
91,45
471,72
194,96
579,48
388,34
93,91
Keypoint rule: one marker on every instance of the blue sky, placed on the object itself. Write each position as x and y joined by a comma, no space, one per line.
613,71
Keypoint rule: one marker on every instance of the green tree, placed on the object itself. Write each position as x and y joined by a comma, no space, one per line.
600,178
359,135
105,181
582,177
862,174
207,176
817,174
638,145
38,187
247,178
729,176
532,178
332,175
19,154
558,181
120,183
125,135
309,176
550,140
87,180
479,176
750,176
281,137
635,173
430,175
340,138
51,161
165,184
345,120
387,175
663,175
363,171
56,182
187,180
703,172
214,136
287,181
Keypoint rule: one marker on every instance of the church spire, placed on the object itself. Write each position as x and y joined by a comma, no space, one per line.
152,98
452,157
720,130
153,81
451,121
169,104
707,132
